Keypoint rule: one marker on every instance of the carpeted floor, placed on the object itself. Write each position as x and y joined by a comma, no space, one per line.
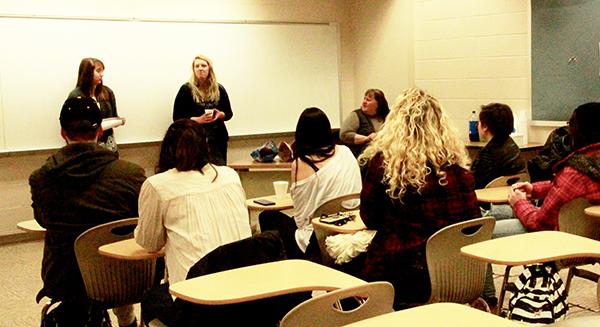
20,276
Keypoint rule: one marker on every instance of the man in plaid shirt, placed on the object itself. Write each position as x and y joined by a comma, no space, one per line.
578,175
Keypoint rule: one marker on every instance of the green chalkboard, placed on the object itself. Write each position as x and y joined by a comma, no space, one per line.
565,56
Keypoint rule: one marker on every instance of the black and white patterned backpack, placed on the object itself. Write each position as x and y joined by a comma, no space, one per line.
539,297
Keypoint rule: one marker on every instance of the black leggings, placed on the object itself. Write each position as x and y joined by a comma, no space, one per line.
286,226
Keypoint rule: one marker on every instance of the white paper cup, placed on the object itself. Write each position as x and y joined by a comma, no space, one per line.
281,188
209,111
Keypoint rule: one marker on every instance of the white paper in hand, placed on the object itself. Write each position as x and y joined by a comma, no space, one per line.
108,123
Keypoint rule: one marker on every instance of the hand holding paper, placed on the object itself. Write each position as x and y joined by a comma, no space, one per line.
108,123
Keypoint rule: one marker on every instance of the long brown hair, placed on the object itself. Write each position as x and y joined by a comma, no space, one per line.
85,78
183,147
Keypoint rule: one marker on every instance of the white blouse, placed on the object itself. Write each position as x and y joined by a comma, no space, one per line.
190,215
339,176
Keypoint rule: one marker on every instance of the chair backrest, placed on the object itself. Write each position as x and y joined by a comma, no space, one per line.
340,203
112,282
508,180
455,277
572,219
376,298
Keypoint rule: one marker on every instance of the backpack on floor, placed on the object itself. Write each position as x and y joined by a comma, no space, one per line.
539,297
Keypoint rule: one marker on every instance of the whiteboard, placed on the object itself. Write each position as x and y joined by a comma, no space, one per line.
271,72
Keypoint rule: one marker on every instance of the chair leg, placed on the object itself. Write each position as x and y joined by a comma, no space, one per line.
503,290
581,273
570,275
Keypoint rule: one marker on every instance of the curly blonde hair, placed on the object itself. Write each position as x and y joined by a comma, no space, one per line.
415,140
209,92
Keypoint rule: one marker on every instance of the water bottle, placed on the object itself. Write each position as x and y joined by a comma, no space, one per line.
473,133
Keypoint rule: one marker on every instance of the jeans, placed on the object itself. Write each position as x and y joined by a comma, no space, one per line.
506,225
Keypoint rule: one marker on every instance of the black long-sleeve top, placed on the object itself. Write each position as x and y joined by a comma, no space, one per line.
186,107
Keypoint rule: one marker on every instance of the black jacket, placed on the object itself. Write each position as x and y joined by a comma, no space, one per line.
557,147
499,157
81,186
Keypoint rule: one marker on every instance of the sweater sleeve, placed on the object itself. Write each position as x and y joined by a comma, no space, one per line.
112,101
540,189
224,105
150,232
349,127
183,103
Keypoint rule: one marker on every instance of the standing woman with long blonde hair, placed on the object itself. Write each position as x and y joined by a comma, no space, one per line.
90,84
415,182
205,101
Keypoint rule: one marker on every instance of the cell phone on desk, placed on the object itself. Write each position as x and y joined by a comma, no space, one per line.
264,202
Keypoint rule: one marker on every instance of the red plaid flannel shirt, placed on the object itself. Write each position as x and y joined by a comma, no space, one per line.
566,186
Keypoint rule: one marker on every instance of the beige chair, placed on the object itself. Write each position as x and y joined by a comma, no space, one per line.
324,311
341,203
572,219
455,277
112,282
508,180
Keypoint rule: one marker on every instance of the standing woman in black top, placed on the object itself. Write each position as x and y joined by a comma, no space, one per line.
205,101
89,84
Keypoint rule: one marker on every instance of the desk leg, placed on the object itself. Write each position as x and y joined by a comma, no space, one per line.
253,217
503,290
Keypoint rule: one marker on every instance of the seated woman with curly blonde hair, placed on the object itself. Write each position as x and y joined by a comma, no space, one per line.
415,183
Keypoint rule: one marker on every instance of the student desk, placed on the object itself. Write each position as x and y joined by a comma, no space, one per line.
493,194
128,250
593,211
31,226
437,314
528,150
254,208
350,227
261,281
283,204
530,248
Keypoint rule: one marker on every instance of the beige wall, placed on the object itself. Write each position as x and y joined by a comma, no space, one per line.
383,32
469,53
465,52
15,168
310,11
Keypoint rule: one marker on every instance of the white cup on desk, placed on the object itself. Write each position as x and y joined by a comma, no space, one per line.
281,188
